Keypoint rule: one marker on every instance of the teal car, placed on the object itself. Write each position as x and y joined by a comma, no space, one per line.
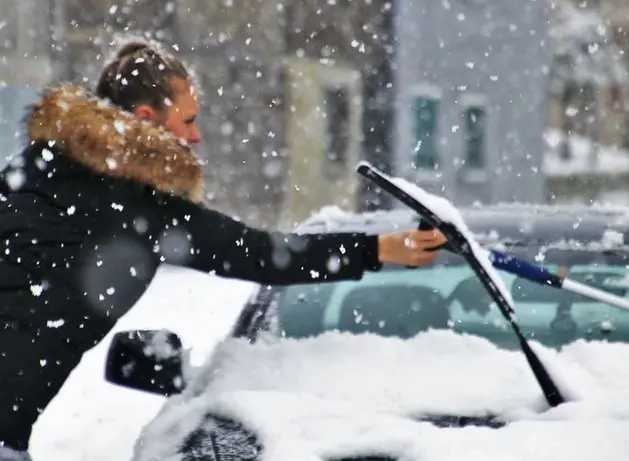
586,245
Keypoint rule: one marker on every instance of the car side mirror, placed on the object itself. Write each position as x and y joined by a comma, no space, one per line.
146,360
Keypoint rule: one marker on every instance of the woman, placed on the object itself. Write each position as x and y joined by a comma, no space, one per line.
106,191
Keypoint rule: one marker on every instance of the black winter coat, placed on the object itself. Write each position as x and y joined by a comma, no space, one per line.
89,210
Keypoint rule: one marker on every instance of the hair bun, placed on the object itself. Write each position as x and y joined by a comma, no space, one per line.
131,48
128,80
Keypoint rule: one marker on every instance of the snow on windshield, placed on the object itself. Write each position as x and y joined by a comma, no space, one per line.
343,395
448,213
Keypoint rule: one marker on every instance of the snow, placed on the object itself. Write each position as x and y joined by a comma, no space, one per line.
15,179
612,238
338,394
160,347
609,160
305,403
93,420
321,401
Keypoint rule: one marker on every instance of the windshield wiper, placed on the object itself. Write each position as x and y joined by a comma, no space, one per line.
459,243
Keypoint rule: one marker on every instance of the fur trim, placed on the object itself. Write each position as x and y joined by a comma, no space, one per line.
114,142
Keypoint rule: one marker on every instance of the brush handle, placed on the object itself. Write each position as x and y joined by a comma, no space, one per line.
525,269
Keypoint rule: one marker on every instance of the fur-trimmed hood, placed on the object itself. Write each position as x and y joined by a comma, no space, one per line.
114,142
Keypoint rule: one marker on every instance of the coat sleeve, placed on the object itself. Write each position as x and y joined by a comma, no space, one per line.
191,235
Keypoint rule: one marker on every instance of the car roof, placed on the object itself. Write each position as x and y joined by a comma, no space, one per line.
508,223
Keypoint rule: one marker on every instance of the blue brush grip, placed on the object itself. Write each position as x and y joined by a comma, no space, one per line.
508,263
524,269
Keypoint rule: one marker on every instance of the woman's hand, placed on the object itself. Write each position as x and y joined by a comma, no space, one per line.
409,248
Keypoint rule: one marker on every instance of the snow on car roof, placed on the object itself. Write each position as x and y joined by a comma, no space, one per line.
605,227
347,395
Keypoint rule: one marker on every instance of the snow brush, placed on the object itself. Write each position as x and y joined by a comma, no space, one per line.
542,276
535,273
462,243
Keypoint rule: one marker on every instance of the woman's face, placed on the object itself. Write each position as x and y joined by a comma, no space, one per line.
180,115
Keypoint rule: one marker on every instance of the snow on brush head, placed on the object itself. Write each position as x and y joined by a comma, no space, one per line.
446,212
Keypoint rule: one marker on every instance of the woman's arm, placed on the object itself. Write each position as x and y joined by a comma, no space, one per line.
191,235
216,243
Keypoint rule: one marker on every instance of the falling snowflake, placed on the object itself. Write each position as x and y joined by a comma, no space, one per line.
37,290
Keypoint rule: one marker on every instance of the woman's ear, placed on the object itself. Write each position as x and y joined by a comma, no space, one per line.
145,112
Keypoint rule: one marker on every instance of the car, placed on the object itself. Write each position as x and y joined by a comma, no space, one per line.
322,343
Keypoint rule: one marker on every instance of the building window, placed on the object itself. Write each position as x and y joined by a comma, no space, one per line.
425,114
475,121
337,119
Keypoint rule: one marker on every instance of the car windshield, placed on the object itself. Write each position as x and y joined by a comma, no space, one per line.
402,302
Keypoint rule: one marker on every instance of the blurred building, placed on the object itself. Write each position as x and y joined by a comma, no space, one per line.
590,68
294,92
450,93
589,101
613,120
472,84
